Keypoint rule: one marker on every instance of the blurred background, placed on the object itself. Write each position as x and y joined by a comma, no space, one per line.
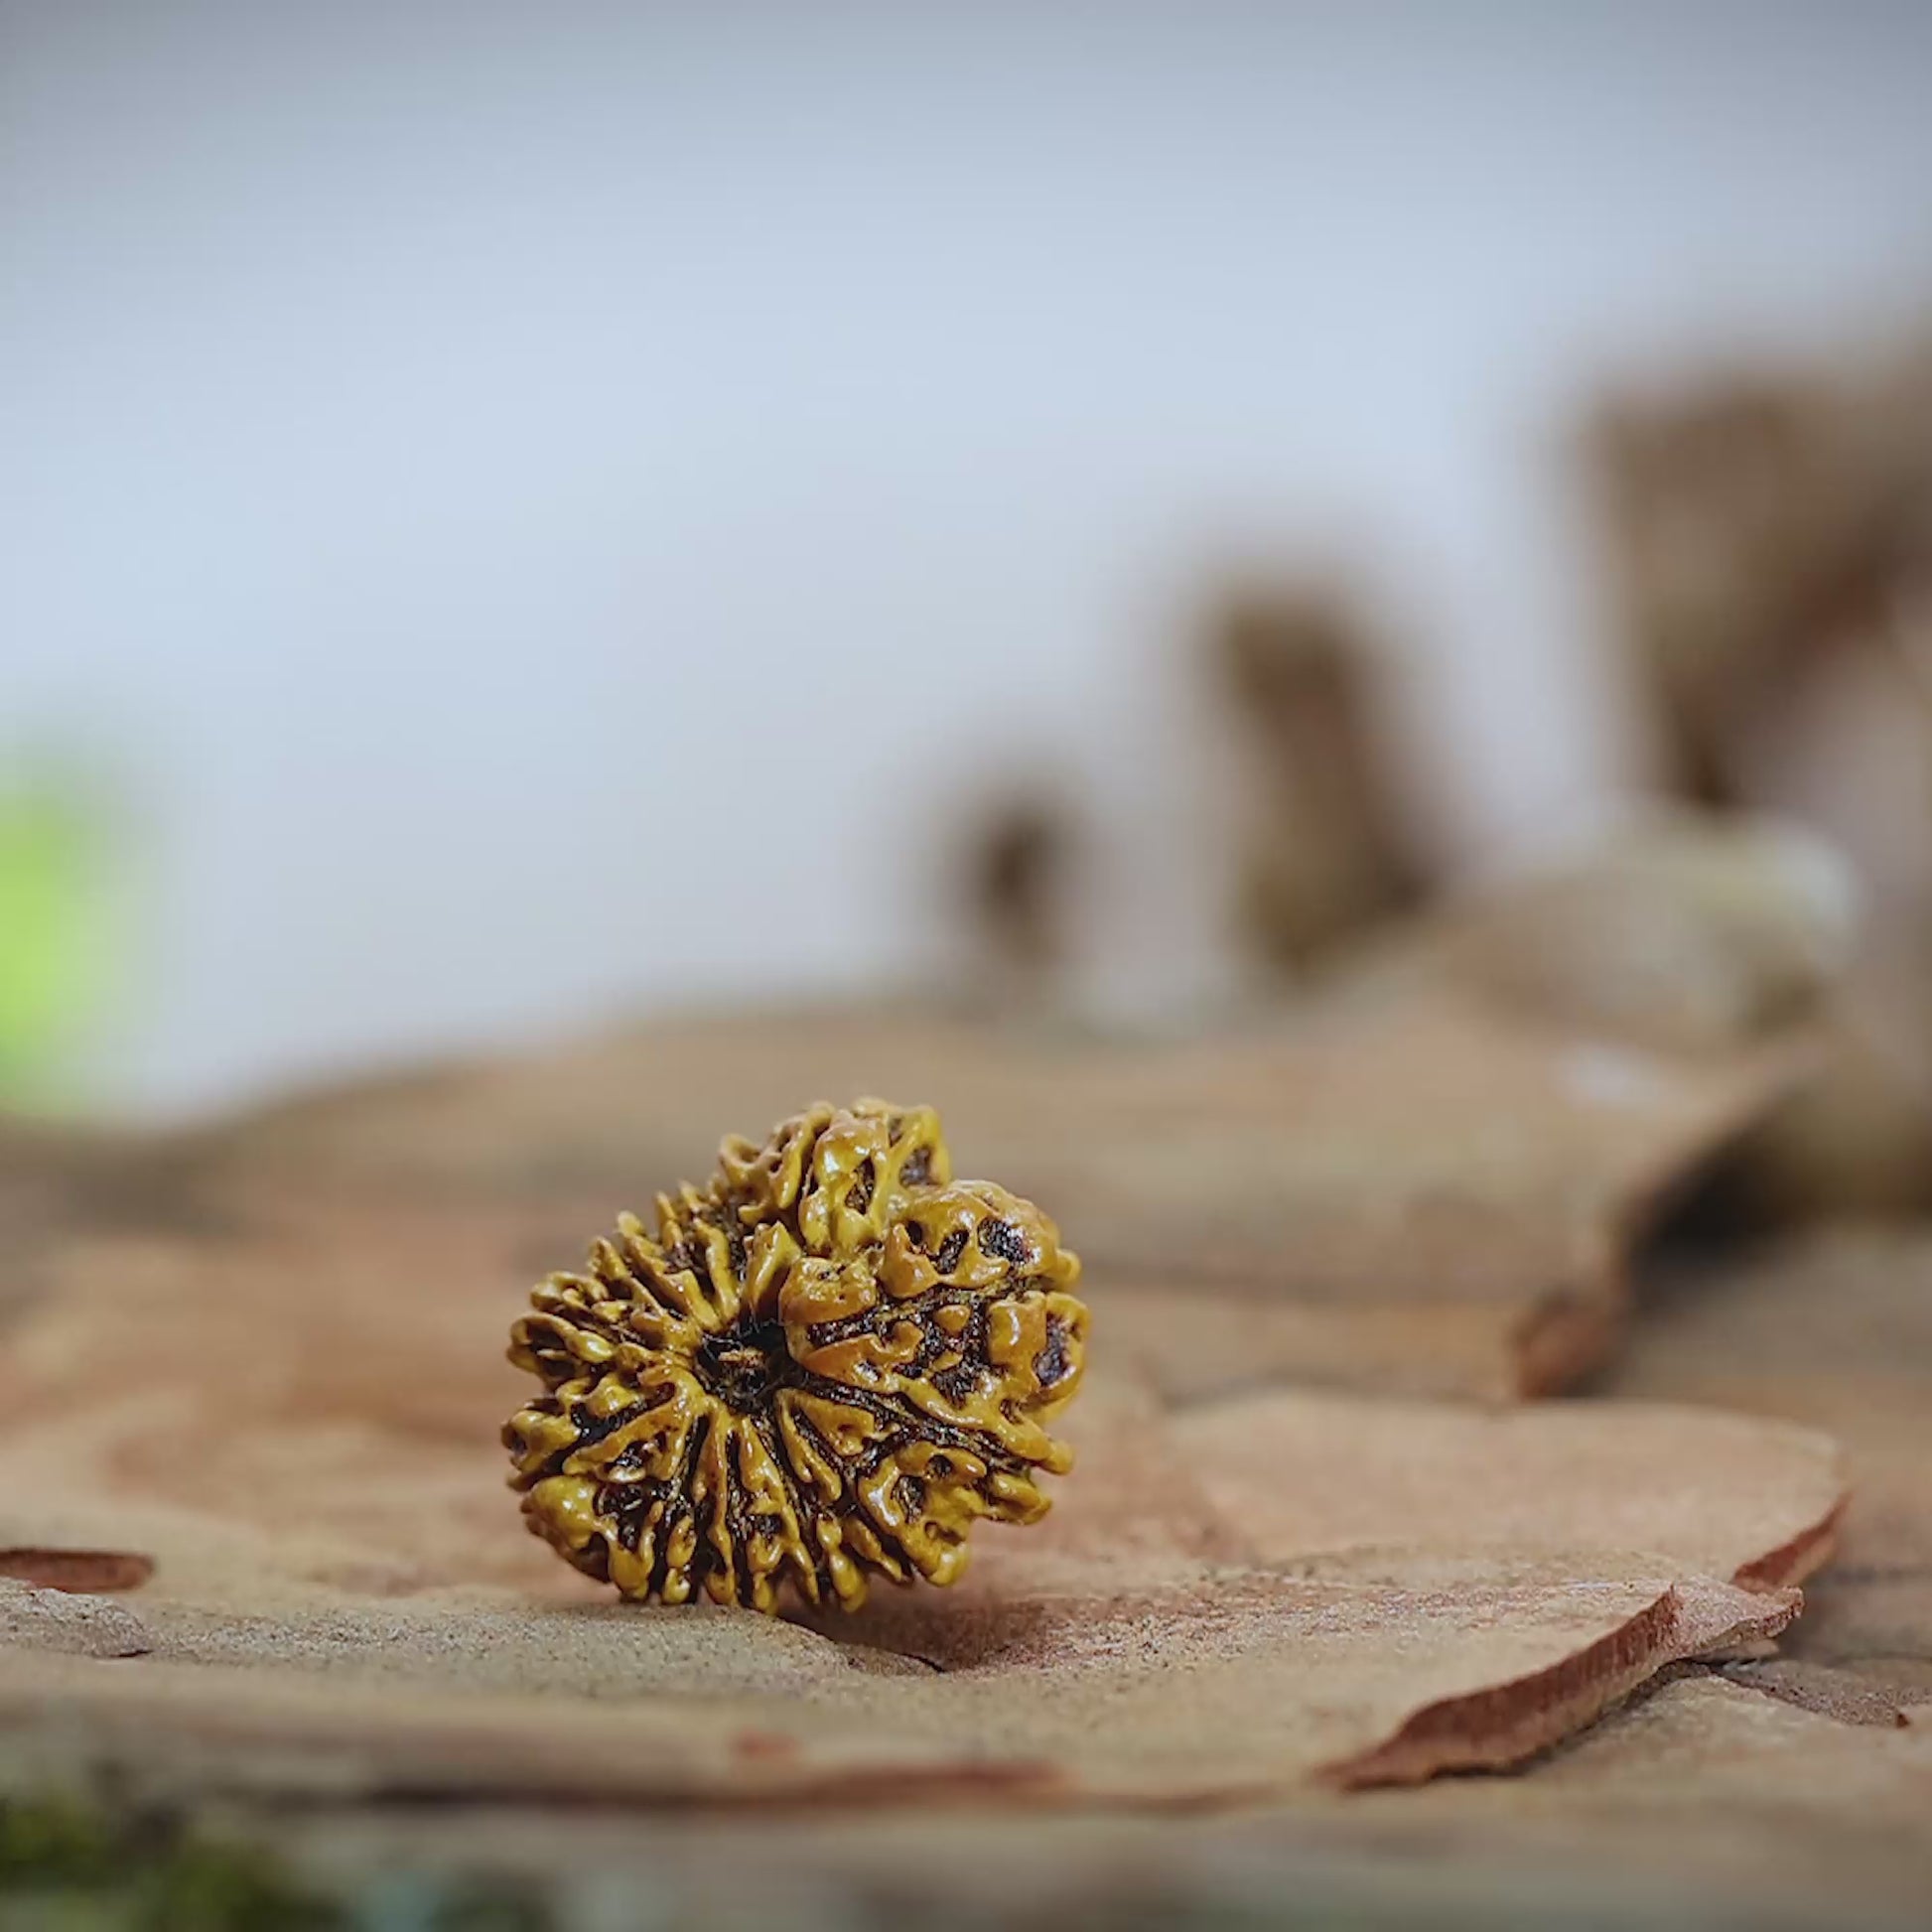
515,517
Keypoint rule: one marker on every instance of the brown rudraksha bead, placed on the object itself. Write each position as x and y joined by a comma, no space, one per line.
821,1367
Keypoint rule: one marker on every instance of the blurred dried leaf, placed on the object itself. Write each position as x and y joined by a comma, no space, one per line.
1019,894
1325,855
1685,934
1758,525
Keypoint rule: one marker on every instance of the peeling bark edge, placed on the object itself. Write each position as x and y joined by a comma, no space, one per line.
1791,1562
1504,1723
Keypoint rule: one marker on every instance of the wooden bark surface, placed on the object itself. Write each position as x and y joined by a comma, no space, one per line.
276,1378
1832,1330
297,1432
1413,1192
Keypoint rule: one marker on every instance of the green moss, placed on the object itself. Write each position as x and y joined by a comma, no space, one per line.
67,1865
72,1867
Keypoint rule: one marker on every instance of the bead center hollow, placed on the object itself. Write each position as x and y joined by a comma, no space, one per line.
742,1366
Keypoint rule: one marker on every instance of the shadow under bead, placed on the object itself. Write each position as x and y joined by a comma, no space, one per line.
821,1368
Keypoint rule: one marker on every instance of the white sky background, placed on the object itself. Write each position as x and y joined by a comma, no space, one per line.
550,509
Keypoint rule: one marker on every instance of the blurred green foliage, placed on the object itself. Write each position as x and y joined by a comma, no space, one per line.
66,1864
52,943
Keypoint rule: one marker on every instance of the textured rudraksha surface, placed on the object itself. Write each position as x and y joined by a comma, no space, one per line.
821,1367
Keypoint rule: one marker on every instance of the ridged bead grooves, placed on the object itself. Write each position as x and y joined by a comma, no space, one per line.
821,1368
